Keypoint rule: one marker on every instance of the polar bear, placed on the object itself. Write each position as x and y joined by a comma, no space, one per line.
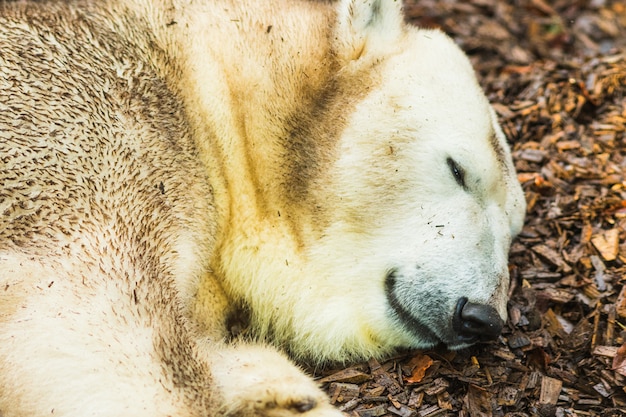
324,175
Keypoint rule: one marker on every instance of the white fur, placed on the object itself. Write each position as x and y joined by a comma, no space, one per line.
85,353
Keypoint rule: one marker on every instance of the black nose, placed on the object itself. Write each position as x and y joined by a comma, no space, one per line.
473,322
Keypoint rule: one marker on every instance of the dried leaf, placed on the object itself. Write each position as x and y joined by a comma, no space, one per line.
419,365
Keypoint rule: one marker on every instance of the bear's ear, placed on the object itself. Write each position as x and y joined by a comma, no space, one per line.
367,28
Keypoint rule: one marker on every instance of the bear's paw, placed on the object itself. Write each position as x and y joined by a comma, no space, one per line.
259,381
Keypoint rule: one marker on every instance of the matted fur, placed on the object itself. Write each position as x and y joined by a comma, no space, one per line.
164,164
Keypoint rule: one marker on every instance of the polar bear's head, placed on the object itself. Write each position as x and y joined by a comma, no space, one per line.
410,215
426,199
422,201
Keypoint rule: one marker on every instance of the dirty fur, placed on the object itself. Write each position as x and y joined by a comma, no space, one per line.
168,164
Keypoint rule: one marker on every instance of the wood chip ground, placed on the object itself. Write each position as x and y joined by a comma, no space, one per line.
556,73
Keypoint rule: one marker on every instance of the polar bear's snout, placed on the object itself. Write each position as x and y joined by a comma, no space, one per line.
451,315
472,322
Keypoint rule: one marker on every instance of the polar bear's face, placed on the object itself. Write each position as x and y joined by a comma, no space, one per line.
425,203
397,200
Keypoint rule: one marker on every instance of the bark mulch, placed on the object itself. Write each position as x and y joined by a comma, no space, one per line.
556,73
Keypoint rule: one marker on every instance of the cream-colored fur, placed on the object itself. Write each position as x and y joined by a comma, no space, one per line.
328,173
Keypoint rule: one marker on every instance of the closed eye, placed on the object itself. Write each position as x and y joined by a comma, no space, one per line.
457,172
